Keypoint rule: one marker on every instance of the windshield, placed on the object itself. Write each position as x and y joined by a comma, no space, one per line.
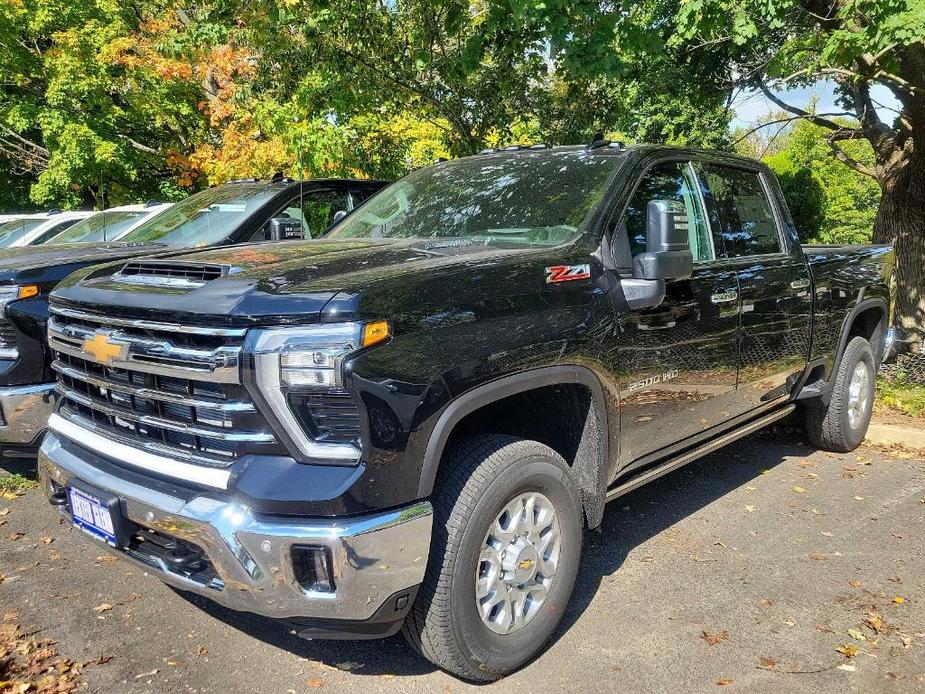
11,232
104,226
203,219
528,198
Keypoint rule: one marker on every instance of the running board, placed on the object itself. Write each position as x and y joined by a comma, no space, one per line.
694,453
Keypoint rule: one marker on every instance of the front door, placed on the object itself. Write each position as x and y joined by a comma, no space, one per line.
774,282
677,362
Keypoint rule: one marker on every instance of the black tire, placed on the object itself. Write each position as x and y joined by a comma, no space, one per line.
479,477
828,426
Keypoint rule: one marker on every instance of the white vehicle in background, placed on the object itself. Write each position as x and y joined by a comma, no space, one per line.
32,229
4,218
111,224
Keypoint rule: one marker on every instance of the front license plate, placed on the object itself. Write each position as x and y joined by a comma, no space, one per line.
92,515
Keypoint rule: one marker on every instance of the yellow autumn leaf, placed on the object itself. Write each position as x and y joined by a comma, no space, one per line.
849,650
899,600
799,490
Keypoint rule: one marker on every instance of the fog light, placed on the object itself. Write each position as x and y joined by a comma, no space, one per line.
312,568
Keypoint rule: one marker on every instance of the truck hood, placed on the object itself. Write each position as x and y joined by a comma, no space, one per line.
50,263
294,281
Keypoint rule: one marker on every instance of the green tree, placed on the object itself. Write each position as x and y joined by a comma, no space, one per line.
855,44
90,106
830,202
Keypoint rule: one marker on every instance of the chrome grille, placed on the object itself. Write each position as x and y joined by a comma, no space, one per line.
176,391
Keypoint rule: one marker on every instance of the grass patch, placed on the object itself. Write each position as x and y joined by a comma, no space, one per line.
16,483
899,393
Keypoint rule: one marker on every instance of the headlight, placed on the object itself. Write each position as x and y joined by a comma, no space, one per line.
297,360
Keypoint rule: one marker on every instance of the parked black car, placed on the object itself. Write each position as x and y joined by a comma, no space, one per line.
242,211
408,423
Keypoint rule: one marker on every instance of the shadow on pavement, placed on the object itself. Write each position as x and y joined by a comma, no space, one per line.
654,507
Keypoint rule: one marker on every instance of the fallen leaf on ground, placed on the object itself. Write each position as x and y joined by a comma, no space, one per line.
856,634
5,511
874,621
799,490
150,673
9,496
712,638
103,607
849,650
45,540
899,600
315,682
749,508
106,559
201,650
817,556
723,681
102,660
767,662
12,537
854,584
825,533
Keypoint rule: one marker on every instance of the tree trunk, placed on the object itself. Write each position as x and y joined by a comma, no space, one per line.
901,221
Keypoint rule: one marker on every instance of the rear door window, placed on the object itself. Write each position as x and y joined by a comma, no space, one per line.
740,214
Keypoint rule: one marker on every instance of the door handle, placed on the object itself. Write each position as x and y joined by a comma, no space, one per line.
724,297
799,284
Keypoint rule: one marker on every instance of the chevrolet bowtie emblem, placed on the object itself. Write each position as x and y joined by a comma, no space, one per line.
102,350
525,565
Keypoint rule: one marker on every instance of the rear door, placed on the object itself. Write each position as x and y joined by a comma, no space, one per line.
773,277
676,362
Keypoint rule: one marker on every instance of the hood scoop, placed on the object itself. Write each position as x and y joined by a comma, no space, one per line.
176,274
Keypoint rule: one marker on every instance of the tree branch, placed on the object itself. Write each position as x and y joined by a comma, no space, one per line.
849,161
812,117
140,147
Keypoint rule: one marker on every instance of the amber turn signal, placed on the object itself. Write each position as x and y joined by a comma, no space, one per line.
27,291
376,332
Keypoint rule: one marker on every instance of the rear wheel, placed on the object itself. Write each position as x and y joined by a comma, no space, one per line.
841,425
507,542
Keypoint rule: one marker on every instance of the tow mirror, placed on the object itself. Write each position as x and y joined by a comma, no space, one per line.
668,253
285,229
667,256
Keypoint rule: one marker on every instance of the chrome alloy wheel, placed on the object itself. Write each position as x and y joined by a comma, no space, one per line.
858,395
518,563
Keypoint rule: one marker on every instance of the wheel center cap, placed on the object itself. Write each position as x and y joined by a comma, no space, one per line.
520,561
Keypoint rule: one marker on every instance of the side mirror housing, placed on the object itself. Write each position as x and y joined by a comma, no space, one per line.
668,254
285,229
339,215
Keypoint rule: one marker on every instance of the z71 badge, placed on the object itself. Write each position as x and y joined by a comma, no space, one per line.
567,273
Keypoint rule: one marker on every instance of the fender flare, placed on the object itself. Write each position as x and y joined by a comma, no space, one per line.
503,387
858,309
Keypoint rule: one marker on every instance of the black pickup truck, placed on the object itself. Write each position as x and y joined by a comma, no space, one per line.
408,423
233,213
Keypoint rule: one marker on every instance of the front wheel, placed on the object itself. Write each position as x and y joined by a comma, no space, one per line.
841,425
507,542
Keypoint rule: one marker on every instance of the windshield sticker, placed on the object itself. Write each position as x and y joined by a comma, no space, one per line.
567,273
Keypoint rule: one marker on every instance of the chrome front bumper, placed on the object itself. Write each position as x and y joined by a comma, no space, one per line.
25,412
374,556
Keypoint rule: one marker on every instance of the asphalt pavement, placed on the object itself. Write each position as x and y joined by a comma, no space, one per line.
766,567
